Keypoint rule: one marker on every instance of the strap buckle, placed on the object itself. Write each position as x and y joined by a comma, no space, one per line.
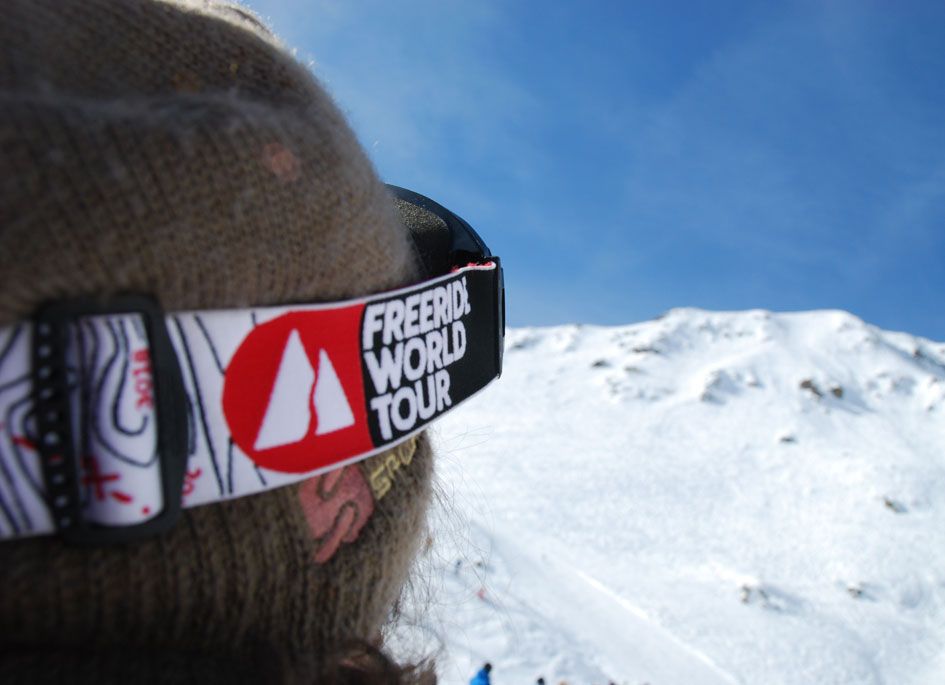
56,424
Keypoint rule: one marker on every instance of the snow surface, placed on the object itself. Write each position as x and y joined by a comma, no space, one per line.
710,498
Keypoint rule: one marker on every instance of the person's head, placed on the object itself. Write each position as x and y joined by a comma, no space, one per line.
487,667
177,151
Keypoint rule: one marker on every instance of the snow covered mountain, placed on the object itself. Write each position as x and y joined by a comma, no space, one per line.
741,497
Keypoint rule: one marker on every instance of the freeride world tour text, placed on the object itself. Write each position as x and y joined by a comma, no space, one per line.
408,345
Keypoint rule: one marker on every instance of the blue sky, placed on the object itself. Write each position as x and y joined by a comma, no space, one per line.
624,158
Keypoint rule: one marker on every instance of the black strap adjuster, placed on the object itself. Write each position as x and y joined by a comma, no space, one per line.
55,424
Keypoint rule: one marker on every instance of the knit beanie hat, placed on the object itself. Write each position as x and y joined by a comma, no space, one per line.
177,150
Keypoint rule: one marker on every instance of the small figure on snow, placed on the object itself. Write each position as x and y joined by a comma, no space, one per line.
482,678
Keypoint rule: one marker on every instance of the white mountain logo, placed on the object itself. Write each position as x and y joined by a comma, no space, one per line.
299,391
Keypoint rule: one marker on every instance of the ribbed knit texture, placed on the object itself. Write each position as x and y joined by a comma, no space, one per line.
155,148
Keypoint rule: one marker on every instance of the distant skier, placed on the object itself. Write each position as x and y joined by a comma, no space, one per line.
482,678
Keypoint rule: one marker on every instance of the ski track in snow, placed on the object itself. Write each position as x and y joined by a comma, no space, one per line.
708,498
511,606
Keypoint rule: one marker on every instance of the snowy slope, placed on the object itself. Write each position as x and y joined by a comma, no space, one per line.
706,498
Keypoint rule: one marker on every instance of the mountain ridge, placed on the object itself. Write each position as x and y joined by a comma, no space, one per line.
769,489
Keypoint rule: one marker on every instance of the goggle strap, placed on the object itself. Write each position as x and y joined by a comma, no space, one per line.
274,395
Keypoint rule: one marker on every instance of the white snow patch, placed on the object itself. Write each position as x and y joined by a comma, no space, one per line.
665,503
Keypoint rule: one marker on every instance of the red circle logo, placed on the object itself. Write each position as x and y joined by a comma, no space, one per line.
293,394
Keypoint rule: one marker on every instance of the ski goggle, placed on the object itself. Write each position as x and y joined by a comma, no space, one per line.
115,414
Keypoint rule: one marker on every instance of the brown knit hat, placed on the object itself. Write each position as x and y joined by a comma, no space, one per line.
178,151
